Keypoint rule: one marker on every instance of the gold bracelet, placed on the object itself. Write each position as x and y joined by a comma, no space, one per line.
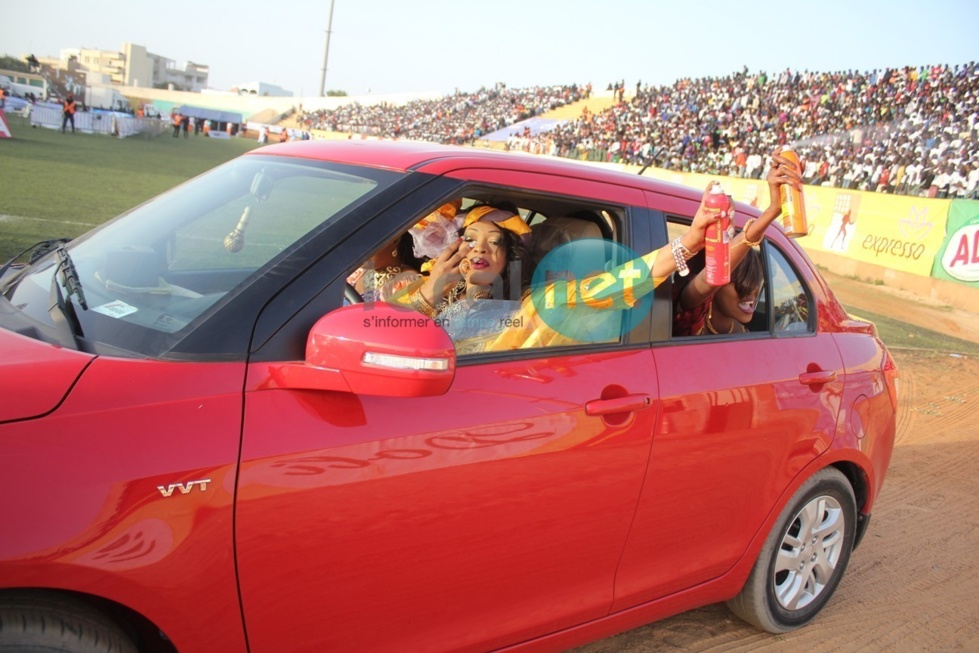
744,234
420,304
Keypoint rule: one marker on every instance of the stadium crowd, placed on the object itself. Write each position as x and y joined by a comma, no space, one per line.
910,130
458,119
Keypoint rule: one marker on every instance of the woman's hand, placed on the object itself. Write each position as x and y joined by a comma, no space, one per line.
696,235
782,172
445,272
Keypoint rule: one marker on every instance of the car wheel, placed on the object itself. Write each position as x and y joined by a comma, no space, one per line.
46,622
804,556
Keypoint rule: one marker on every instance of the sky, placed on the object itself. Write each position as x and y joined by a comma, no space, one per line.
440,46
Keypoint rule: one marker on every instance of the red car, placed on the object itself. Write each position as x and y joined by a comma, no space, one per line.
211,444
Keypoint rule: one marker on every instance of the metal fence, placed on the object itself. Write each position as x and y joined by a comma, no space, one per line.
98,122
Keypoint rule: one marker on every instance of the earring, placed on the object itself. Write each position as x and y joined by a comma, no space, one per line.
394,252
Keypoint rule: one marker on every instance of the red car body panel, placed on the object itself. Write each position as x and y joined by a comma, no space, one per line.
510,446
722,433
36,376
128,428
521,510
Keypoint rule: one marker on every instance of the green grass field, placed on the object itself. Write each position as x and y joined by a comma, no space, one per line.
61,185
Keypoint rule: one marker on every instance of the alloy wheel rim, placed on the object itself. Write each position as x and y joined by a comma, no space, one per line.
809,553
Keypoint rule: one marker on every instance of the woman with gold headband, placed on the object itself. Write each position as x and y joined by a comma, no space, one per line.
491,260
479,264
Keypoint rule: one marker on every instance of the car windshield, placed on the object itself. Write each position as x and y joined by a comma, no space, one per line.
161,267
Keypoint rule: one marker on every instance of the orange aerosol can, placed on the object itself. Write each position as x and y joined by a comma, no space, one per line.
717,249
793,218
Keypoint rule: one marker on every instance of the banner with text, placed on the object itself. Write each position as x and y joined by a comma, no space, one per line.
958,258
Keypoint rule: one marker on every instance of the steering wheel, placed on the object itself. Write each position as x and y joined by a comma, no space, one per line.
351,295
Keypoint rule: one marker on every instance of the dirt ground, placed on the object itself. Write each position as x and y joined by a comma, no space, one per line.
913,584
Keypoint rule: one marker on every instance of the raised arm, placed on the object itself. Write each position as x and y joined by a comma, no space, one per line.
782,171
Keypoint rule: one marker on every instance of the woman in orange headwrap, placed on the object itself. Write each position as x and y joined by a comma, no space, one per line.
489,260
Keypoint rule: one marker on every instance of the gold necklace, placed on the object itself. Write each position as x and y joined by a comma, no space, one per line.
710,327
452,297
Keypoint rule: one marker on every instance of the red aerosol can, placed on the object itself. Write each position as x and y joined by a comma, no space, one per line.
718,240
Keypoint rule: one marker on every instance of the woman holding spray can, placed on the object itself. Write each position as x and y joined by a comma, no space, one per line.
721,298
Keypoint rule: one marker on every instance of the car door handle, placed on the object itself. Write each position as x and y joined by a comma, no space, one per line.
626,404
817,378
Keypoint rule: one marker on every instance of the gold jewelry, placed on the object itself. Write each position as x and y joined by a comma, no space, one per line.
394,252
744,235
452,297
710,327
380,278
479,292
707,321
418,302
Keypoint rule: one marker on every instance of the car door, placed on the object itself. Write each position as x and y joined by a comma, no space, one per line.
741,416
469,521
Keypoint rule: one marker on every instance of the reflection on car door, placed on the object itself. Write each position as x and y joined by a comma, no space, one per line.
365,522
740,418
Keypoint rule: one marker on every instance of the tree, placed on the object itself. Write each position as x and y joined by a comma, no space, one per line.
16,65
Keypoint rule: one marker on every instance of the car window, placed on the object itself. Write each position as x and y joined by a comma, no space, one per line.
784,296
151,275
540,300
247,232
790,301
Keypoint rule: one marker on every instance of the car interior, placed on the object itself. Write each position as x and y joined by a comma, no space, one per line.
555,222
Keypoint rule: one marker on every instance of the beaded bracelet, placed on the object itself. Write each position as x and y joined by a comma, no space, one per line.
680,256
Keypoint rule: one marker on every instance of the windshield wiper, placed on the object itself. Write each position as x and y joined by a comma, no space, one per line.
62,310
37,250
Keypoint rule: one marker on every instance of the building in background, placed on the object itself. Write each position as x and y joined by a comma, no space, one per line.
263,89
133,65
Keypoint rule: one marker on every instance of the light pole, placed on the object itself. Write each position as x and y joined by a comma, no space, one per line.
326,54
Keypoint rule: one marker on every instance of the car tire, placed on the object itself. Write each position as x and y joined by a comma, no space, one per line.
804,556
49,623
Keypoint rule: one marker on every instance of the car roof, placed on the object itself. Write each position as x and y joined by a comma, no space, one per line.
405,156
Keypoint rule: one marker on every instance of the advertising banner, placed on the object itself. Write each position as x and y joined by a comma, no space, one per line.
895,231
958,258
924,236
898,232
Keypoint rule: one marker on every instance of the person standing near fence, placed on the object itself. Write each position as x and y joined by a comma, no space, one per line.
68,113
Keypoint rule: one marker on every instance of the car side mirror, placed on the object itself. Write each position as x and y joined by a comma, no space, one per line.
373,349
